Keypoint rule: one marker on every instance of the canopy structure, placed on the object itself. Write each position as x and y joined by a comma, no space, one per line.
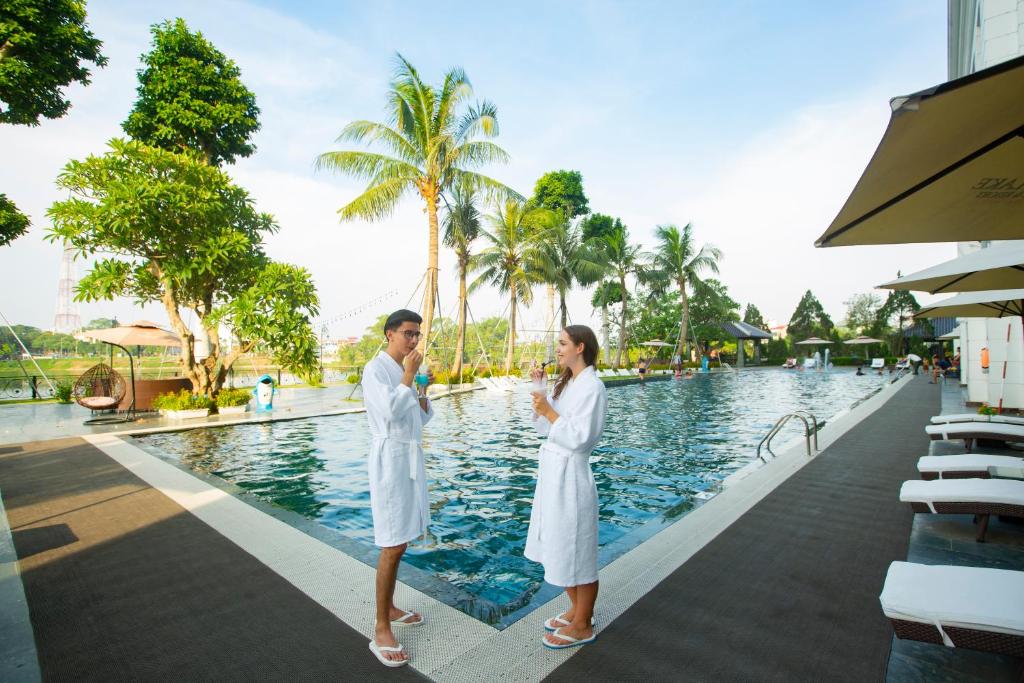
950,167
863,340
985,269
991,304
743,331
656,342
813,341
955,333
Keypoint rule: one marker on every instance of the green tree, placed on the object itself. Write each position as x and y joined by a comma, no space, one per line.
624,260
561,191
44,45
605,295
710,306
599,225
138,207
658,318
191,97
809,319
678,261
899,308
510,262
462,224
101,323
13,223
752,316
862,311
566,260
432,145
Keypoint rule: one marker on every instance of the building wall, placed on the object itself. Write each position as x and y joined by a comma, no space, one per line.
983,33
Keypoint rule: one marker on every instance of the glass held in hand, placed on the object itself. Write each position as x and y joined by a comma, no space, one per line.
540,383
423,376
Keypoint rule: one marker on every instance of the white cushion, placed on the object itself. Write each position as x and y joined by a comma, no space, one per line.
969,597
966,462
999,491
957,430
975,417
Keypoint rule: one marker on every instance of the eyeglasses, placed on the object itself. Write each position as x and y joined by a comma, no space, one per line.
410,335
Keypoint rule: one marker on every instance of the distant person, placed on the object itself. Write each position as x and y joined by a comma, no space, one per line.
941,367
563,521
689,373
641,368
396,411
860,370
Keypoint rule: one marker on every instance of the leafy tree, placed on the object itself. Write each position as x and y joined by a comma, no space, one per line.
562,191
13,223
862,311
191,97
102,323
43,47
752,316
899,308
510,262
139,207
605,295
624,260
567,260
678,262
710,306
461,229
658,318
433,147
809,319
599,225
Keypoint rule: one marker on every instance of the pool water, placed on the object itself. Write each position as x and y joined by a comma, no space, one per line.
664,443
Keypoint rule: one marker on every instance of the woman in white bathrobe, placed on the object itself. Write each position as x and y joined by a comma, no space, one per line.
563,521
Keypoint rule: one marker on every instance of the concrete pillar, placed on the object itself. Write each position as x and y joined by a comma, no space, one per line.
739,353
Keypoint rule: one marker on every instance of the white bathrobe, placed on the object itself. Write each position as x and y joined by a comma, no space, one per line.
398,479
563,522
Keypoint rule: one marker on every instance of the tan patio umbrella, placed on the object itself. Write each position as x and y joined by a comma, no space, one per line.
865,341
813,341
992,304
985,269
949,168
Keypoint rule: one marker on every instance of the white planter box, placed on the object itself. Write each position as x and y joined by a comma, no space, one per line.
186,414
233,410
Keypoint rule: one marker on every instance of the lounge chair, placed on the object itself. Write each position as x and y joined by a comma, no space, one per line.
978,497
964,466
976,417
877,363
975,608
970,431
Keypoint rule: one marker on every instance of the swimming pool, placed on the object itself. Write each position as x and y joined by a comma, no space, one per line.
665,444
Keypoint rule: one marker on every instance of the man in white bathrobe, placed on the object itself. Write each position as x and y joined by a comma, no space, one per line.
397,410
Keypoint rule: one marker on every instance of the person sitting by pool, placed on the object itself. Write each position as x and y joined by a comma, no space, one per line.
790,364
565,499
396,412
940,367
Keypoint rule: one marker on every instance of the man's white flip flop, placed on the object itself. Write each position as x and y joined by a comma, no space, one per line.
555,623
404,620
572,642
378,649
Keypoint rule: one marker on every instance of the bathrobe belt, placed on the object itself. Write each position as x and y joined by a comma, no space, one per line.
413,447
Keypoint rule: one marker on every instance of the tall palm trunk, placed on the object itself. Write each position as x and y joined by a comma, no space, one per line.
511,334
430,295
605,333
564,308
684,320
460,341
622,324
551,321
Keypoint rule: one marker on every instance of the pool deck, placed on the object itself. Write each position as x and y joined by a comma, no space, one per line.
130,568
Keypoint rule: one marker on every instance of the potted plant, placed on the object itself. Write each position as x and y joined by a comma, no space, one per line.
183,405
62,391
233,401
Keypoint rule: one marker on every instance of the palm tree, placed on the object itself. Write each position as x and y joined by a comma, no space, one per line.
566,260
432,147
605,294
677,261
511,262
461,229
624,259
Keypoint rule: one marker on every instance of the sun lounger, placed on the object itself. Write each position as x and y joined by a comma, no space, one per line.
877,363
964,465
975,417
970,431
968,607
978,497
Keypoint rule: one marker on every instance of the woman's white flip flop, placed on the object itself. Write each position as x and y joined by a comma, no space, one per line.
572,642
404,620
377,651
555,623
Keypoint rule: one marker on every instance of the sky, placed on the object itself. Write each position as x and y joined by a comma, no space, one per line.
750,120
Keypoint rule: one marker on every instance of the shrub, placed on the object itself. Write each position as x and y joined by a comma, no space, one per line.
182,400
353,378
228,398
62,391
986,409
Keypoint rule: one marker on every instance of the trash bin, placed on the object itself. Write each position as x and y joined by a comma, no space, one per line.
264,393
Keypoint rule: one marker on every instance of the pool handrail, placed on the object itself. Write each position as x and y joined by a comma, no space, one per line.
803,416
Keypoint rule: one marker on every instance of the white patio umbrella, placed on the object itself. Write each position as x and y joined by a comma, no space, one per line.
949,168
813,341
991,304
865,341
985,269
